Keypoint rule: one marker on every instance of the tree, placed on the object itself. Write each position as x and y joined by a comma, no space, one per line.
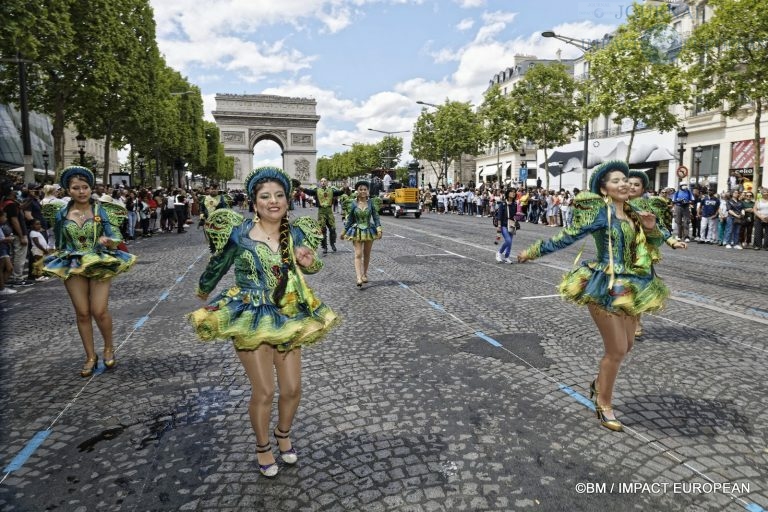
631,78
498,125
728,59
390,149
545,108
122,69
444,135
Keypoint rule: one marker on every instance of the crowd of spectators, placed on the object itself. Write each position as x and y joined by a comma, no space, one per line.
734,219
26,237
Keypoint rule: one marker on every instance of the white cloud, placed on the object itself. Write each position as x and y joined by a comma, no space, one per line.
465,24
468,4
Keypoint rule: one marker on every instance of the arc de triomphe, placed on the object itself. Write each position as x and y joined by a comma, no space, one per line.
246,119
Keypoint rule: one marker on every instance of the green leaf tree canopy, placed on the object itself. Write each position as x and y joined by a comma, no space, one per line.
728,58
630,78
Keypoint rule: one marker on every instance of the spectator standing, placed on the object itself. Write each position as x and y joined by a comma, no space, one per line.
708,213
748,203
18,226
180,207
38,248
682,200
6,244
735,215
761,220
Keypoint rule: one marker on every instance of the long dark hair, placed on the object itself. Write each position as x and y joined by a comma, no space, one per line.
286,256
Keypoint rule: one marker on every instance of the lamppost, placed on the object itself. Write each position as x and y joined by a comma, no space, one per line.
388,134
585,47
697,152
140,160
45,163
682,136
81,147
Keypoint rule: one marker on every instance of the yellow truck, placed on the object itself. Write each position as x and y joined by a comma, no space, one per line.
406,200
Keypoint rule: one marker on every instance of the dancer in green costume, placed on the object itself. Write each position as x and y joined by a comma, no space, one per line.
619,283
325,195
270,313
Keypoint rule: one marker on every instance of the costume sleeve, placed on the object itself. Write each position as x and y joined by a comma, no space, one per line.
374,215
58,228
112,216
219,227
337,192
217,267
306,232
351,218
310,191
590,215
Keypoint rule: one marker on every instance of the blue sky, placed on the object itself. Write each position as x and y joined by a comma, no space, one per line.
366,62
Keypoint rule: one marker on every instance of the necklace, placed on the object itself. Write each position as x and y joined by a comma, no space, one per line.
269,236
80,214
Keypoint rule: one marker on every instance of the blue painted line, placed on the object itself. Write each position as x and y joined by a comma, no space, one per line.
754,507
586,402
191,267
178,279
758,312
27,451
402,285
437,306
487,338
164,295
99,369
141,322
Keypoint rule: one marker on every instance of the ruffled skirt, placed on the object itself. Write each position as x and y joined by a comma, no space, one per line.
356,234
630,294
250,319
91,265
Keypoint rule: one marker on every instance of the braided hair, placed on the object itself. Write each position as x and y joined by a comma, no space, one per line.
286,260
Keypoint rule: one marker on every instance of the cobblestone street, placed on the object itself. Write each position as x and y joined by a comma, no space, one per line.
454,383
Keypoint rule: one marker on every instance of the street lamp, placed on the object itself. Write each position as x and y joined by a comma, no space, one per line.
585,47
697,152
389,134
682,136
140,161
45,163
81,147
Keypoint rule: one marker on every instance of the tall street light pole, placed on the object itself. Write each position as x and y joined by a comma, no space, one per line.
81,147
682,136
26,141
585,47
45,163
389,134
697,152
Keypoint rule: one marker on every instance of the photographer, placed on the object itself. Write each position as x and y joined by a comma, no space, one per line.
682,200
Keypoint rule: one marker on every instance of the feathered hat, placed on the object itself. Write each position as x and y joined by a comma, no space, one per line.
263,174
603,169
76,170
643,177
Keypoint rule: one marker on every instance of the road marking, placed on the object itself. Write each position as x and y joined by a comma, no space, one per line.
164,295
663,450
27,451
487,338
41,436
540,297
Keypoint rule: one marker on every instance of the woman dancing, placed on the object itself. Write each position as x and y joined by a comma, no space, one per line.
362,228
619,284
87,235
270,313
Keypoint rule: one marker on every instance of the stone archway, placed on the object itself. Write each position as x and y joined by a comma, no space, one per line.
246,119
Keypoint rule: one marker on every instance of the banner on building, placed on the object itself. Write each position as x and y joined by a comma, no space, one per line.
743,156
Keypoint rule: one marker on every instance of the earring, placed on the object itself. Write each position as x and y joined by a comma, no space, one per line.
256,218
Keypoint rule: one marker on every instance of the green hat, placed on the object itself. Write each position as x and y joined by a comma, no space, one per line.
76,170
643,177
263,174
603,169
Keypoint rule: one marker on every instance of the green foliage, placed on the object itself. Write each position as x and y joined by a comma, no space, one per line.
631,79
445,134
544,107
499,128
728,59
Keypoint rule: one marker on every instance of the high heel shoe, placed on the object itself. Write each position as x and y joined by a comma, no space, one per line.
593,391
289,456
359,283
365,279
90,365
268,470
109,363
610,424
